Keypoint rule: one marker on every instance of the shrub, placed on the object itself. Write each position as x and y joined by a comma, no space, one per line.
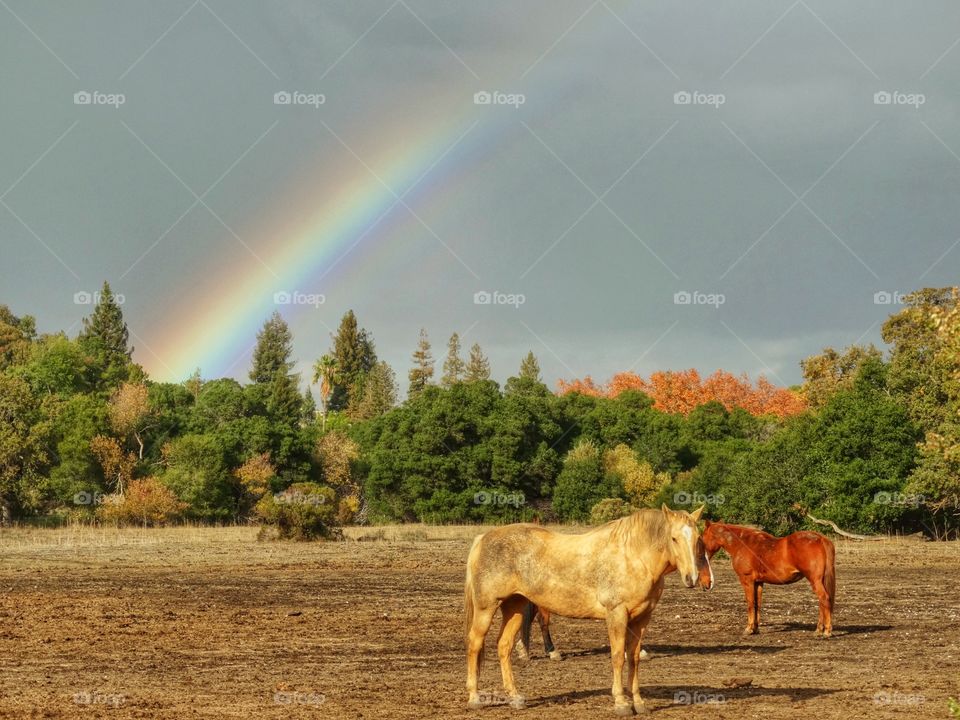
610,509
146,502
582,483
304,511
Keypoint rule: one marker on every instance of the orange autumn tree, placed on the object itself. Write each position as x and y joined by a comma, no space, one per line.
682,391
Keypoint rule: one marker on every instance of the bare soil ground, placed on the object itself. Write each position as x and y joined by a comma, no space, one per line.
187,622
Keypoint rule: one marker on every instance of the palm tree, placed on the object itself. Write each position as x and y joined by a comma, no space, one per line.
324,371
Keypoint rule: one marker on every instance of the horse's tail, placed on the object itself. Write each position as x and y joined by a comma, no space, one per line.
830,573
529,613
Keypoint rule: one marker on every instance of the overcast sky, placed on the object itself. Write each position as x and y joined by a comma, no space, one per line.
739,153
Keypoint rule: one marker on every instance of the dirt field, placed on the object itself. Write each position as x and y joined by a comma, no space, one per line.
187,622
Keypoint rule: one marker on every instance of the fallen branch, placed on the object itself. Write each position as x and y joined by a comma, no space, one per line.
844,533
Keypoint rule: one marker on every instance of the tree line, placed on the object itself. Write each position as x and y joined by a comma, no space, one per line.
870,440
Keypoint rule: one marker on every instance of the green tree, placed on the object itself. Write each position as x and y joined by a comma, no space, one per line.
453,366
24,449
828,372
324,373
275,387
16,334
55,366
354,356
273,350
197,473
421,373
582,483
478,367
106,339
379,392
530,368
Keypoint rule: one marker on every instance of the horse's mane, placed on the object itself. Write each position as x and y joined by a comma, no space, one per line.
646,527
746,530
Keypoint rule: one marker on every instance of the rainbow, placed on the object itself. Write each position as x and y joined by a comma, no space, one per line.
299,256
231,303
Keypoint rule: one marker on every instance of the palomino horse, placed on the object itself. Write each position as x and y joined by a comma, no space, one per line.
614,572
759,557
531,612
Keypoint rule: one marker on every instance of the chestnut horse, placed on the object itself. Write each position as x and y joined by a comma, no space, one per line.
759,557
614,572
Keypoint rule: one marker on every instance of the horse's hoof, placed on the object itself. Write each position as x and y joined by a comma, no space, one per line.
644,655
623,710
518,702
827,634
475,705
641,708
556,655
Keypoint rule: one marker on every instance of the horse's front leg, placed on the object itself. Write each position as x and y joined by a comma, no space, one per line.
759,603
634,649
750,591
617,629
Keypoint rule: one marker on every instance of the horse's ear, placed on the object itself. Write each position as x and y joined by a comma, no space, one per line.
707,523
666,510
697,513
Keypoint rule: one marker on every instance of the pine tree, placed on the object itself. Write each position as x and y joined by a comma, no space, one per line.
354,356
478,367
194,384
379,392
453,365
422,371
106,337
271,371
308,406
530,368
273,350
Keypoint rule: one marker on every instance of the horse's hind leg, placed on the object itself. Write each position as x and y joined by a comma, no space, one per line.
478,631
512,609
824,621
548,646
